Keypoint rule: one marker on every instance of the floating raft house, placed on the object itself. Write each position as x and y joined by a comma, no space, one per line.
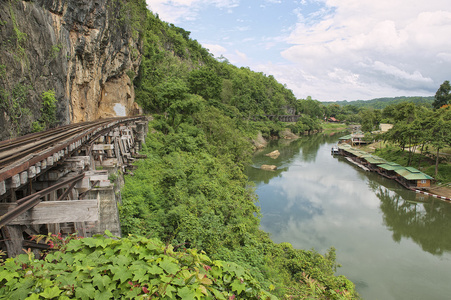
409,177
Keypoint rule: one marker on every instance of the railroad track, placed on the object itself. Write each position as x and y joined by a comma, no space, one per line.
16,155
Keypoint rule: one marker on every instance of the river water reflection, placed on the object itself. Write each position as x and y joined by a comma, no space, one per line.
391,242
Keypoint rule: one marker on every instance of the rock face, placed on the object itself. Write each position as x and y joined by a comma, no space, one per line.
84,50
268,167
274,154
259,142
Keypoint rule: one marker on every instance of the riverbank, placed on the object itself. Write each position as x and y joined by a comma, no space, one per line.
439,188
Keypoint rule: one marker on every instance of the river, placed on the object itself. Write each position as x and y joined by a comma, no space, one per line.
391,242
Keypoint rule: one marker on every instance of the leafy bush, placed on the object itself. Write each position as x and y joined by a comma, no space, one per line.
132,268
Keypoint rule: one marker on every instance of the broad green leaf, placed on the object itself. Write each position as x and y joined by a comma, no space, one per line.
123,275
120,260
133,293
139,275
238,286
104,295
108,233
51,292
165,278
155,270
186,294
218,263
85,292
90,242
216,272
237,270
74,245
8,276
169,266
33,297
169,291
101,282
218,294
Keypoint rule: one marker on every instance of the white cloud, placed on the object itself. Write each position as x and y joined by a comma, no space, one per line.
173,11
242,56
388,47
392,70
217,50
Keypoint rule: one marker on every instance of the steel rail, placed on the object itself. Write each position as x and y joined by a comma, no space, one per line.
12,143
43,142
22,148
40,153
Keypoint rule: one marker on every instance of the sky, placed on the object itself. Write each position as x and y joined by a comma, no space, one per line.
330,50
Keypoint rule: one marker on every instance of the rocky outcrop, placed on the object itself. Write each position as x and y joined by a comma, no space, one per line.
259,142
288,135
268,167
274,154
84,50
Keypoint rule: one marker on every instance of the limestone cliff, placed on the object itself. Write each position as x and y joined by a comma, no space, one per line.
86,51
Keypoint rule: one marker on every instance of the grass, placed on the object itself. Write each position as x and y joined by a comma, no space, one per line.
328,127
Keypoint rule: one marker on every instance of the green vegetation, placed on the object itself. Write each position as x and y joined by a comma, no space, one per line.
191,193
381,103
20,40
55,50
13,104
132,268
333,127
48,112
443,95
419,129
2,71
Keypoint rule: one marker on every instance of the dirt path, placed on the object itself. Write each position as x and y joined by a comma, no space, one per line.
440,190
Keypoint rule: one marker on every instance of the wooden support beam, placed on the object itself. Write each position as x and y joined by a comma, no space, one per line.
13,239
51,212
100,147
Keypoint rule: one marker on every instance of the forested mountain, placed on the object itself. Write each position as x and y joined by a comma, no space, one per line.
175,66
381,103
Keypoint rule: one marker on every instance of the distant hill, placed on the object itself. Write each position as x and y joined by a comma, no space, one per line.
380,103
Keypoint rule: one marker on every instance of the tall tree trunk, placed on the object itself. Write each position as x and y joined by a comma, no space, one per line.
410,152
421,155
436,162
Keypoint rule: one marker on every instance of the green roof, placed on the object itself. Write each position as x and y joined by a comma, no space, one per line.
389,166
344,146
375,160
410,173
346,137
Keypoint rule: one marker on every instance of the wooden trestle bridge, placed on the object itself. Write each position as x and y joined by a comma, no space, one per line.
60,180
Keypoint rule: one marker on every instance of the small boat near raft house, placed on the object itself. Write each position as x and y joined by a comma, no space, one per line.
409,177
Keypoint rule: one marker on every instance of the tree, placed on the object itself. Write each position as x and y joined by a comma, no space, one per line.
370,119
206,83
440,127
443,95
168,92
